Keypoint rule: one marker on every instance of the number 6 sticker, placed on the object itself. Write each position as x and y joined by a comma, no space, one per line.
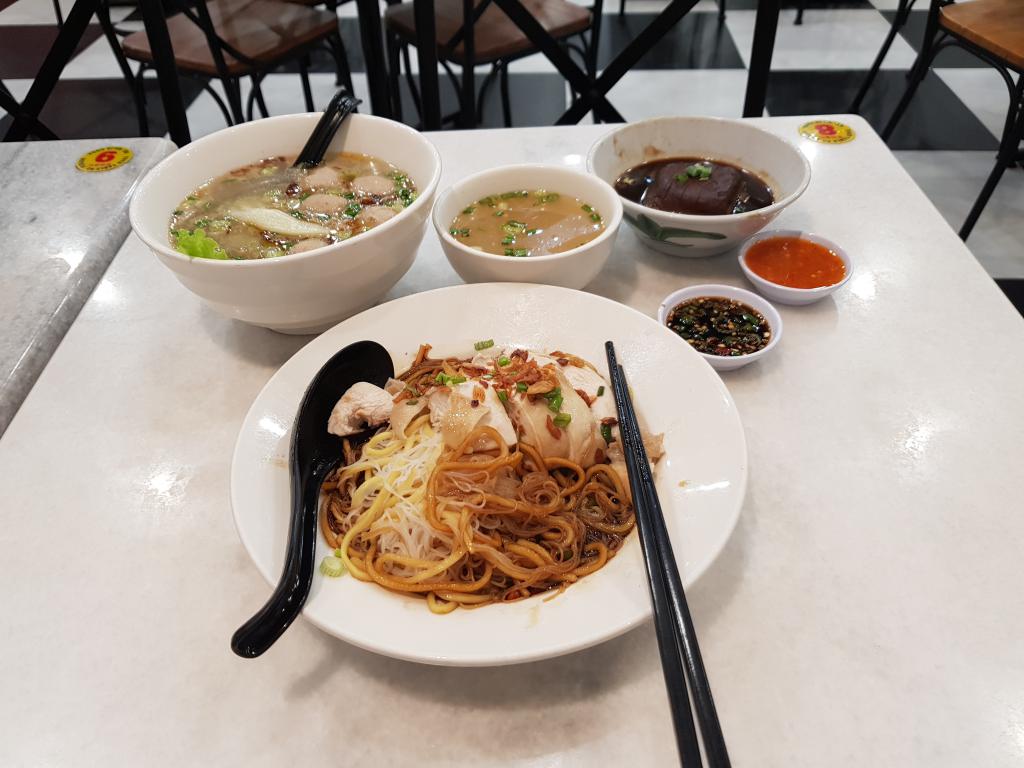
103,159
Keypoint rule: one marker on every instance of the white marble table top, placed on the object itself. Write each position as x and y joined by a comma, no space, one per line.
866,612
59,229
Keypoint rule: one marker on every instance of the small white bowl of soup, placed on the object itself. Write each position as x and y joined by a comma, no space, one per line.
293,251
528,224
794,267
699,186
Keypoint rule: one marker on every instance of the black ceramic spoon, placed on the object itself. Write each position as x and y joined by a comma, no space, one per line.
314,453
340,107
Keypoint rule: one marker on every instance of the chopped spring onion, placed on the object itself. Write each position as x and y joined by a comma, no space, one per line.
468,209
562,420
485,344
522,386
464,232
517,252
488,201
513,227
503,360
508,240
699,171
332,567
546,197
595,217
353,210
587,208
532,231
554,398
600,390
606,433
516,193
447,381
503,395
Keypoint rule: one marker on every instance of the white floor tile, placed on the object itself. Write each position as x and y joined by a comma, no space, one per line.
952,181
94,62
984,93
654,93
832,39
283,94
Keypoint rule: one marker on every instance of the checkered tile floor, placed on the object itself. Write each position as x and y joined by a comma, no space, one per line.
946,141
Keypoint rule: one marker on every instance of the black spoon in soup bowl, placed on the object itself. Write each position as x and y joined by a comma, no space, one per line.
341,105
314,454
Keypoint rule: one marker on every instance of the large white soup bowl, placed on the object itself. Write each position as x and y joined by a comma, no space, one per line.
305,292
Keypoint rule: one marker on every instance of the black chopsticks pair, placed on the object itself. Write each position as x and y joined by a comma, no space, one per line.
677,639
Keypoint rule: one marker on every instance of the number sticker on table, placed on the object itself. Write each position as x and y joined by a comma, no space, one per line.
103,159
827,132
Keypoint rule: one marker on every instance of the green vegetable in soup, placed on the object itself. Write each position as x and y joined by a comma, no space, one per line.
197,245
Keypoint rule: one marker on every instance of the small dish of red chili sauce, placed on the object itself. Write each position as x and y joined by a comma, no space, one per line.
729,326
794,267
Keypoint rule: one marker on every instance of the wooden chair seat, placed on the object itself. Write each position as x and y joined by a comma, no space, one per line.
263,30
495,35
995,25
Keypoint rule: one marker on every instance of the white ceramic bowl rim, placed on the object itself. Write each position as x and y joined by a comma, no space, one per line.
768,234
610,224
757,302
691,217
422,195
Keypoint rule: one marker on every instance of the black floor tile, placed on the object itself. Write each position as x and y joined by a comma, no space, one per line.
913,33
936,118
536,99
85,109
698,41
1014,290
24,46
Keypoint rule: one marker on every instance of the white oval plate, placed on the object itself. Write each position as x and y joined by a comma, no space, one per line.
701,479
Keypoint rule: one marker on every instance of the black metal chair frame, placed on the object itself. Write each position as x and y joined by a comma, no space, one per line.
471,103
22,119
197,12
937,38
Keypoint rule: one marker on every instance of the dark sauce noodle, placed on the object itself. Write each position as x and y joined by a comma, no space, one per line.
719,326
694,185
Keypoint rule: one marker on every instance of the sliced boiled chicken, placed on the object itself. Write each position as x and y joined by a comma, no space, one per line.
579,441
363,404
452,413
590,381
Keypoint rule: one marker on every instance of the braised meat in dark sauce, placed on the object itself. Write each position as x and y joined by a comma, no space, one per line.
694,185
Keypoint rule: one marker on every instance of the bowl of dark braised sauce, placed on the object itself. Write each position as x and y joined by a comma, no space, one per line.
698,186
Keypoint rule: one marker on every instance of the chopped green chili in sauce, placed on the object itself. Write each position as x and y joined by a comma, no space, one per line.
718,326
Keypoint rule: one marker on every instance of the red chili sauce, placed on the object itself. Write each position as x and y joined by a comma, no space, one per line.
795,262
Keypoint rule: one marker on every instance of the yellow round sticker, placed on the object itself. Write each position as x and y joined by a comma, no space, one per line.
104,159
827,132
